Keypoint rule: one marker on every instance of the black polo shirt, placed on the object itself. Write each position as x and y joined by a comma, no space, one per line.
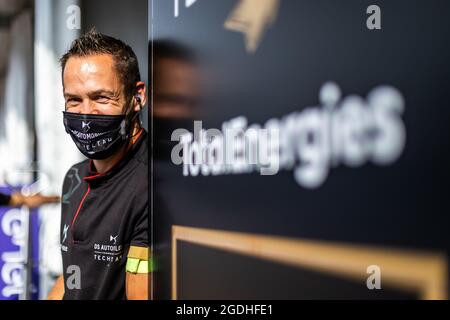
103,215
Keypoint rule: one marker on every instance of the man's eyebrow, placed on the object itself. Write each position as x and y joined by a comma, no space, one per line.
107,93
70,95
95,93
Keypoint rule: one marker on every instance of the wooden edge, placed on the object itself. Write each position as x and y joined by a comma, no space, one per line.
407,270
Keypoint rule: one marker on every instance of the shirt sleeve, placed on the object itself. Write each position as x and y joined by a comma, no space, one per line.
140,235
139,253
4,199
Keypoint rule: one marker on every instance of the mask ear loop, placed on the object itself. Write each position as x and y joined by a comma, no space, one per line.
123,130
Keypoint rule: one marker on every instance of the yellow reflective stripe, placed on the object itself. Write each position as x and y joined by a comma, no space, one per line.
139,266
132,265
143,267
142,253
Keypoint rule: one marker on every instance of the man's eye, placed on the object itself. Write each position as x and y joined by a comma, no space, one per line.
102,99
72,101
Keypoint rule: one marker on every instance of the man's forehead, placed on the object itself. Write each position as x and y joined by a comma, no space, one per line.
103,59
91,70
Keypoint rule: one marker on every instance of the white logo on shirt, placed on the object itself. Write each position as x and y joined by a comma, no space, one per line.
111,238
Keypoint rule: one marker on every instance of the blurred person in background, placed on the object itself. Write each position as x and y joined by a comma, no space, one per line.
178,93
17,199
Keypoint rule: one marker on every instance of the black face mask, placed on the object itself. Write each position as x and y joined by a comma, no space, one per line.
97,136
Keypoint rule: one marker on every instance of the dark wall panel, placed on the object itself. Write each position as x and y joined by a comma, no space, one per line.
401,204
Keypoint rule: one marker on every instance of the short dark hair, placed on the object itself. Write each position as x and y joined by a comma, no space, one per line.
126,62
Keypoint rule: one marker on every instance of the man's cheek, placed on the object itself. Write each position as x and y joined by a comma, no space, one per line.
109,108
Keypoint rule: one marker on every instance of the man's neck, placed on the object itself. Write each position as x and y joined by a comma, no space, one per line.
107,164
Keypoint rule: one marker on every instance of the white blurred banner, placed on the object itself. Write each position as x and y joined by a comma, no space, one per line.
56,151
16,107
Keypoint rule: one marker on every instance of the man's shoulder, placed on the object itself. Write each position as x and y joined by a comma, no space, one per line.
142,156
73,180
78,170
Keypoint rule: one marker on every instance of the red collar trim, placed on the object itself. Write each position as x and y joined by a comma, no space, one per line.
94,174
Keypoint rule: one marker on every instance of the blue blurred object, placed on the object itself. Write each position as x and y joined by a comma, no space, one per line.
14,255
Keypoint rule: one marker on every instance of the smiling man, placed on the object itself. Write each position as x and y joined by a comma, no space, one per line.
104,225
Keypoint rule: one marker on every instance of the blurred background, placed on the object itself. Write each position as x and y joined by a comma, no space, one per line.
358,197
35,151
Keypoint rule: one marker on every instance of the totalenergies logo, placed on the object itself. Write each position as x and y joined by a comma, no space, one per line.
350,131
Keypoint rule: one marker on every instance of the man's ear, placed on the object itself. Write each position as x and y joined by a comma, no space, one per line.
141,92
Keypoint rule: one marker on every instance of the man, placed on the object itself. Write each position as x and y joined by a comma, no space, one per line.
17,200
104,225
